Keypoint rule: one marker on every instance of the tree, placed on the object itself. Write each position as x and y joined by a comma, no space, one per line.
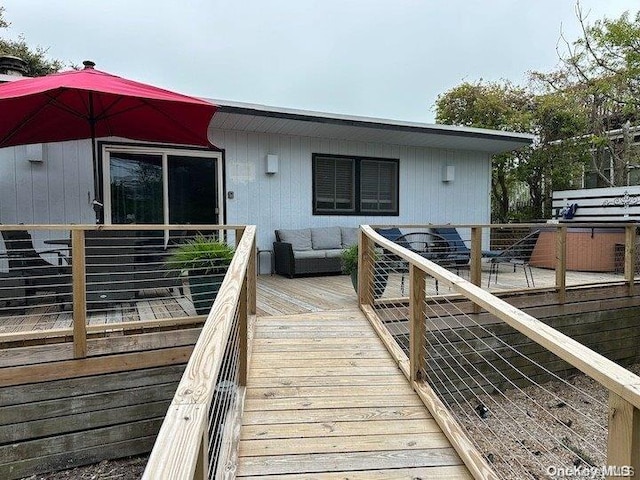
602,69
585,114
36,58
558,156
560,153
499,106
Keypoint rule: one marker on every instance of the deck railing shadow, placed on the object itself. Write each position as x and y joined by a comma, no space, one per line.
465,350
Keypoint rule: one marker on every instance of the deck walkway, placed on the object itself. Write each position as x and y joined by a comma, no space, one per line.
318,405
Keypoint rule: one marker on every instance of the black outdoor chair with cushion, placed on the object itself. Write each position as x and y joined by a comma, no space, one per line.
429,245
150,261
459,254
120,265
518,255
37,273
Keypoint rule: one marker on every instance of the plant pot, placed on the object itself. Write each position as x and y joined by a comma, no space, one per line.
204,289
381,277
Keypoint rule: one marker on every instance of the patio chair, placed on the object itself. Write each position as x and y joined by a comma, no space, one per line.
518,255
426,244
37,273
110,260
459,254
122,266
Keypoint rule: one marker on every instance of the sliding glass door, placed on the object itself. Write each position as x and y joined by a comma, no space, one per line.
149,186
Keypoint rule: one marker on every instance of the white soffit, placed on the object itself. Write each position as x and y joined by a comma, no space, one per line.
263,119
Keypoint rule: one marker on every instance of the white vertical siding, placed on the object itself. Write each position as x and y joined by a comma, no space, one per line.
283,200
59,189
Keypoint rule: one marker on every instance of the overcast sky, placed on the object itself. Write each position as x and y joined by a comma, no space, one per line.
380,58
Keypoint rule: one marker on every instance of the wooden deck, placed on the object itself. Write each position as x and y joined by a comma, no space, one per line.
318,405
276,295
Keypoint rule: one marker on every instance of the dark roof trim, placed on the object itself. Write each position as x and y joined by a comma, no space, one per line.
449,130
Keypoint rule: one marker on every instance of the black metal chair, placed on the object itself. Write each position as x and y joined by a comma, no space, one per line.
36,272
429,245
518,255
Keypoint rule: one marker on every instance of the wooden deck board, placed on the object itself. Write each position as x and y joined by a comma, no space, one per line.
441,473
318,406
288,300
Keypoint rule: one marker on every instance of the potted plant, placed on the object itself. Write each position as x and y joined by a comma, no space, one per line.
350,267
205,260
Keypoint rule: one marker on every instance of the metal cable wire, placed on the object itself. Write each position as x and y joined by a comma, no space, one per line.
391,305
489,390
492,437
225,393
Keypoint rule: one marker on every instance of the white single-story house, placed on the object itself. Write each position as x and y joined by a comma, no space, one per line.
274,167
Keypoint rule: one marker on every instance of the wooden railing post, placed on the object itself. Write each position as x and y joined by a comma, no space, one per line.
475,269
561,262
417,296
238,234
630,256
623,443
79,294
365,269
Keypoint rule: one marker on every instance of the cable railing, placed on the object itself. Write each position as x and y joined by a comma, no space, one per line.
72,283
505,387
198,438
524,257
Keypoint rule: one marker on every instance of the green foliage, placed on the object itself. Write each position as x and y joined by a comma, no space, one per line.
350,259
201,253
607,59
499,106
601,72
571,111
38,63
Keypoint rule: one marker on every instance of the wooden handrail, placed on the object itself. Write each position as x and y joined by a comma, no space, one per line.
128,226
623,386
604,371
176,451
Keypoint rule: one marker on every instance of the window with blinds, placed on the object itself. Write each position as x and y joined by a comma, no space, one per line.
354,185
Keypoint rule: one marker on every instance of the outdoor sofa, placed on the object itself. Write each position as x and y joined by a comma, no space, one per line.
309,251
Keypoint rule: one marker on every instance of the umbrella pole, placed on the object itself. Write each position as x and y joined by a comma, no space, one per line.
97,201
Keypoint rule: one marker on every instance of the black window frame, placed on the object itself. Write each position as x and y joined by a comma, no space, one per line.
357,211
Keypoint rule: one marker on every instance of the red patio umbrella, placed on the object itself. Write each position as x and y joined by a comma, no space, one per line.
90,103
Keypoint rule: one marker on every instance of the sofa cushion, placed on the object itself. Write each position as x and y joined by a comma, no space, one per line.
300,240
326,238
298,254
349,236
334,253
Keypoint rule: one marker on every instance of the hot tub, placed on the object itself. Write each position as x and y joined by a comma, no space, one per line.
588,249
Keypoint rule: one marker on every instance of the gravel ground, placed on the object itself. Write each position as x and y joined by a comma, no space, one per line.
122,469
534,432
